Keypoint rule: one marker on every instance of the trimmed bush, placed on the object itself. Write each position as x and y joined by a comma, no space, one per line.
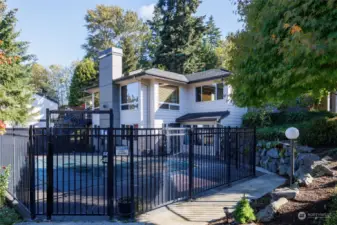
243,212
258,118
8,216
320,132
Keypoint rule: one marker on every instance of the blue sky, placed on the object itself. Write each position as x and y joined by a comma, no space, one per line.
55,28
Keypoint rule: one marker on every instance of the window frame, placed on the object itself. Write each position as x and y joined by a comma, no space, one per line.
129,105
170,105
215,85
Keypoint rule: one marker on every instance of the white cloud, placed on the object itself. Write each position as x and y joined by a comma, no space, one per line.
146,11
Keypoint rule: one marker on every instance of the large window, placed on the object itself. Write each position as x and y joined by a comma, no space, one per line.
168,97
209,92
130,95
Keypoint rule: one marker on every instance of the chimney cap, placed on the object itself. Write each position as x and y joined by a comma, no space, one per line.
110,51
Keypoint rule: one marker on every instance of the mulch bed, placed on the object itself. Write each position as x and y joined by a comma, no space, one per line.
313,200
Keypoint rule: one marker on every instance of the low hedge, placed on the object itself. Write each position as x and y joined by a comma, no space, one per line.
277,132
261,118
320,132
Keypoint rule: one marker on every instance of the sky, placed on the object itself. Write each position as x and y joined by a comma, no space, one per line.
55,28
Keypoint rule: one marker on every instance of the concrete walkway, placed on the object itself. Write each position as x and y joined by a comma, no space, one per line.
210,206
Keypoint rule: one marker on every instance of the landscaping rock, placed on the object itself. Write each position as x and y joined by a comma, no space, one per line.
276,205
306,149
321,170
268,213
263,152
284,169
273,153
287,153
287,193
272,166
306,160
304,179
327,159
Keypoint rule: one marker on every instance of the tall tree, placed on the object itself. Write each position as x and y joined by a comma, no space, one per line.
287,49
15,94
212,35
84,74
180,34
111,26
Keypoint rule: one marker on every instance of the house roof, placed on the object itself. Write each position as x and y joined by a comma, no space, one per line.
204,116
162,74
47,97
207,75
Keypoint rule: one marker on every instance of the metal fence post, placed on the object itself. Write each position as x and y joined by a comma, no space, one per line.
190,164
47,117
229,147
111,180
32,174
50,173
132,187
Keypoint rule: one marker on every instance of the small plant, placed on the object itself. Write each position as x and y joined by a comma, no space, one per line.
4,175
243,212
8,216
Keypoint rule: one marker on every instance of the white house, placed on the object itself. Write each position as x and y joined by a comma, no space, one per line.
155,98
40,104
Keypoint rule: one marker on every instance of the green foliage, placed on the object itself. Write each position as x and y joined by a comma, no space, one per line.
286,50
257,118
331,219
15,94
112,26
320,132
243,212
270,133
180,34
8,216
41,81
85,73
4,176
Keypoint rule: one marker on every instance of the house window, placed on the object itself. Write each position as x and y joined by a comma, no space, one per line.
168,97
129,95
208,93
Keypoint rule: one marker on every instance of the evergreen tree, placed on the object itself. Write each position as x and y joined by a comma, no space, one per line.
212,34
130,58
85,73
15,94
180,35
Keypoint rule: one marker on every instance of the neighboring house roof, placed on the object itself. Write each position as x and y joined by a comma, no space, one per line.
206,116
47,97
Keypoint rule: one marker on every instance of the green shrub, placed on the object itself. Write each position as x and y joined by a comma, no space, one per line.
243,212
320,132
259,118
270,134
331,219
4,175
8,216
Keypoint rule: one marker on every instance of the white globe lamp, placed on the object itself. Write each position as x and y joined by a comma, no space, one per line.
292,134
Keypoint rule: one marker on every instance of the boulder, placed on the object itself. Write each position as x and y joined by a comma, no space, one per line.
268,213
286,192
306,160
283,169
304,179
272,166
321,170
263,152
306,149
273,153
276,205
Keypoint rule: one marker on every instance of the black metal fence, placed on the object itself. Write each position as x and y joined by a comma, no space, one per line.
101,171
14,154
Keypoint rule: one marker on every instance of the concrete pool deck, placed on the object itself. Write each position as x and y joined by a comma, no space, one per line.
200,211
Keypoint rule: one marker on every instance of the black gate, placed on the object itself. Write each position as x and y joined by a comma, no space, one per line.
90,171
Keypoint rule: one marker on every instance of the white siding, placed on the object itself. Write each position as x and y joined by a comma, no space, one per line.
236,113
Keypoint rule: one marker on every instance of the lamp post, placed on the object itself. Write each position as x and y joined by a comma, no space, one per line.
292,134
